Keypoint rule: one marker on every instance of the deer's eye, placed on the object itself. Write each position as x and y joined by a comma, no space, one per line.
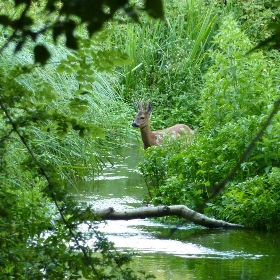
142,118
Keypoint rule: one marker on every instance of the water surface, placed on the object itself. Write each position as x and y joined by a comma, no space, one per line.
192,252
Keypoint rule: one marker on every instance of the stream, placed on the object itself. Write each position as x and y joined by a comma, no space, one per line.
192,252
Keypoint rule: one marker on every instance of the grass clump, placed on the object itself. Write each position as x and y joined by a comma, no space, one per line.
168,61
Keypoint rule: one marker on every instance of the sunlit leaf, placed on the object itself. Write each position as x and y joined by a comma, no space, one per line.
96,131
63,68
78,106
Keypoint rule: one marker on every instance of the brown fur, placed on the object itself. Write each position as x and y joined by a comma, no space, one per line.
154,138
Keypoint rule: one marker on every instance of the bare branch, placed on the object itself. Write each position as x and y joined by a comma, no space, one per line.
180,211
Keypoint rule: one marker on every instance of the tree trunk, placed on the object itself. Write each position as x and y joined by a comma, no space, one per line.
162,211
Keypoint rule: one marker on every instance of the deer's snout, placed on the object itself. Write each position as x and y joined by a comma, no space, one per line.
134,124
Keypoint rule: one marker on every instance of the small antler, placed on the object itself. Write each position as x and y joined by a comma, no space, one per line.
139,106
147,106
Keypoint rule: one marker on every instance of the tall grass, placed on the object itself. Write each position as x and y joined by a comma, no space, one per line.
40,155
102,109
168,60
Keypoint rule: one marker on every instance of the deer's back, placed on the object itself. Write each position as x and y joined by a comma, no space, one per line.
175,129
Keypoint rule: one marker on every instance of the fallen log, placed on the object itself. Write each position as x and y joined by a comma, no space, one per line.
181,211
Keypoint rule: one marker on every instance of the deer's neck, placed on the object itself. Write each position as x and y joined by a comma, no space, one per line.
148,137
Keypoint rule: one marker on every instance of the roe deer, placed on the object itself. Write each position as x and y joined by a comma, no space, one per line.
154,138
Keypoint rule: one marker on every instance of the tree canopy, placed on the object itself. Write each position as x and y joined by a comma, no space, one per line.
63,17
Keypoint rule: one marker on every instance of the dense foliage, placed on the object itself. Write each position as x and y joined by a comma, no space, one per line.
168,60
58,124
239,91
64,120
40,221
63,18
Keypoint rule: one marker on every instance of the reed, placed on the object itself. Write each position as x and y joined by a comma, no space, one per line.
168,58
54,99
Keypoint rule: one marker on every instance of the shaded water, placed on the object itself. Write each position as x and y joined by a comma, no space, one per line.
192,252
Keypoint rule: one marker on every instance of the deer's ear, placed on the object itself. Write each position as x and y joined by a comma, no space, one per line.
149,108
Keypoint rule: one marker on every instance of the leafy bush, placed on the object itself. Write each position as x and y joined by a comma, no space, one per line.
256,17
254,202
238,95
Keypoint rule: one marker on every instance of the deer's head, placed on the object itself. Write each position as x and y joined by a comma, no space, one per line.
143,116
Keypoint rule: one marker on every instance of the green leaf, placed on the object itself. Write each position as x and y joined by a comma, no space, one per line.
96,131
57,31
154,8
207,184
41,54
63,68
71,41
18,2
78,106
4,20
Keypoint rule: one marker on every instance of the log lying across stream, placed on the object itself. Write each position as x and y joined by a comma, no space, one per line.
181,211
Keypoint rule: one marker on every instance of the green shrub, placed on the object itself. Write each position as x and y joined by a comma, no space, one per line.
255,17
254,202
238,95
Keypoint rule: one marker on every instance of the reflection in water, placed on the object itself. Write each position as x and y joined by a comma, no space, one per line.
132,234
192,252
